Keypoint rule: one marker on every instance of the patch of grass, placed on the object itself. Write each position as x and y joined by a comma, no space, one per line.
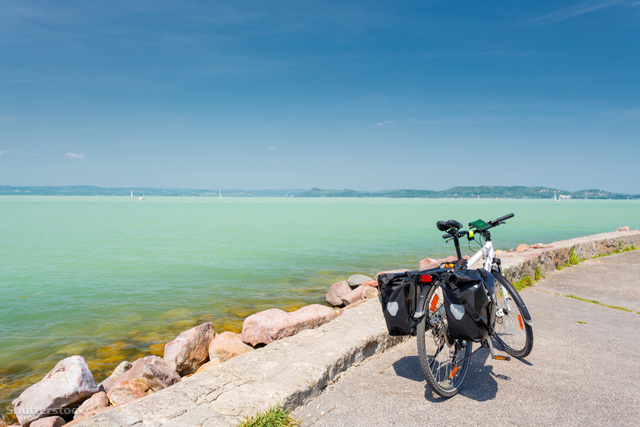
592,301
618,251
538,274
573,258
274,417
581,323
525,282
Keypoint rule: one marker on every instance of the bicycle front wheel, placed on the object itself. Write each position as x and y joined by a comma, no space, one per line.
444,362
511,330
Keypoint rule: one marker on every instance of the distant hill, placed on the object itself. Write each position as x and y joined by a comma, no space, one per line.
84,190
516,192
484,192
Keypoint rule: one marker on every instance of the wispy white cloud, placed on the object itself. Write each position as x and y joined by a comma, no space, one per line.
385,123
271,147
573,11
1,153
74,155
179,119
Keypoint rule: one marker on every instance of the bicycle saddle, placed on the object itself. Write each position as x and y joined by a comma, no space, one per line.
448,225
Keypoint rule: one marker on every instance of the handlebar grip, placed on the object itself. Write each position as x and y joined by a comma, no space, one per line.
502,218
447,236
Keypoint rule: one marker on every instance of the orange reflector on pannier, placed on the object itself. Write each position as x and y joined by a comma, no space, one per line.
453,371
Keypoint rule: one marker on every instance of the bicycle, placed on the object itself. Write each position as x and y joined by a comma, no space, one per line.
445,361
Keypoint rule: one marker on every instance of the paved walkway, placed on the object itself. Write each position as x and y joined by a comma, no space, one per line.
584,368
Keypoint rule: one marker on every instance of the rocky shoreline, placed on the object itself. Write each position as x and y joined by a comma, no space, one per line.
69,394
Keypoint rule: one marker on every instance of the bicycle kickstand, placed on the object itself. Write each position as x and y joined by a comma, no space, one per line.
488,344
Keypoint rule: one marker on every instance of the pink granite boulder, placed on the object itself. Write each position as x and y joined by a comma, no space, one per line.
68,383
428,263
190,349
127,387
91,405
356,280
370,292
127,390
159,376
312,316
354,295
227,345
337,292
48,422
270,325
113,378
625,228
522,248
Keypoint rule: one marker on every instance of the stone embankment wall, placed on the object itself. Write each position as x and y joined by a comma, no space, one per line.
524,262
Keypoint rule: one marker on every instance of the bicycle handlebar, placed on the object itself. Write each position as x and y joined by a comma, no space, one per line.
455,233
501,219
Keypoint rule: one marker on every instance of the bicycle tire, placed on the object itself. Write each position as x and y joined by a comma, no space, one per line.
511,331
440,356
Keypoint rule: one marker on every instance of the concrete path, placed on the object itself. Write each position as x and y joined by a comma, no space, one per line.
584,368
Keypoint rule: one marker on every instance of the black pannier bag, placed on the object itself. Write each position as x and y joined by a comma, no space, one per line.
398,298
469,301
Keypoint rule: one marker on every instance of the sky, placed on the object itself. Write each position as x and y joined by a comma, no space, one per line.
366,95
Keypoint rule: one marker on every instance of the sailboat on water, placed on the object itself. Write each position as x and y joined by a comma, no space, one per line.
220,192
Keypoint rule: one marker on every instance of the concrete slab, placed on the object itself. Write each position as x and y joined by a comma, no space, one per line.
583,370
621,273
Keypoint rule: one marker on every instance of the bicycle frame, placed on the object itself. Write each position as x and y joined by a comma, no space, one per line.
488,252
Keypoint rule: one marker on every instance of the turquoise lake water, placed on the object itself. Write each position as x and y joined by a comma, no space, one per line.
115,278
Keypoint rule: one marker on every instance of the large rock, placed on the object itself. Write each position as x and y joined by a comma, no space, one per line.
227,345
92,405
270,325
354,295
625,228
356,280
68,383
312,316
522,248
159,377
54,421
127,390
370,292
131,384
190,349
210,364
428,263
113,378
337,292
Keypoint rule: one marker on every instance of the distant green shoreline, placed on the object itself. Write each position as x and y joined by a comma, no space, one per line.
483,192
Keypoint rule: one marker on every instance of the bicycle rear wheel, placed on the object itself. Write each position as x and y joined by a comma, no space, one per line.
511,331
444,362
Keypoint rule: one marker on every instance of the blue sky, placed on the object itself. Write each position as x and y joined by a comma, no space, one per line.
368,95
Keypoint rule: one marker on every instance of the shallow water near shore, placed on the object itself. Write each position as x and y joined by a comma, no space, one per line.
114,279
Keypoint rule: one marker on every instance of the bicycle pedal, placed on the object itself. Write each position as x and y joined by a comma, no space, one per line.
492,351
507,358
